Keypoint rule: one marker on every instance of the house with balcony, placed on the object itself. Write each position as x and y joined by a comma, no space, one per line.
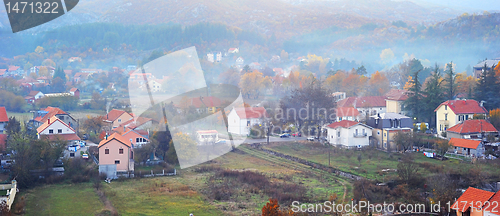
240,120
472,129
137,138
453,112
348,134
385,127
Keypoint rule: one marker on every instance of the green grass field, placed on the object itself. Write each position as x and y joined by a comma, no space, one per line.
157,196
372,161
63,199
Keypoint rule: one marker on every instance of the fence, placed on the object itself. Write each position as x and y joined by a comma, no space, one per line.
153,174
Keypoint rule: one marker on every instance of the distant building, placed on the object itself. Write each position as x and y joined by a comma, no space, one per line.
240,62
367,105
206,137
233,50
33,96
116,156
338,96
347,113
55,129
241,120
478,69
394,101
116,117
4,120
385,126
452,112
467,147
75,92
43,115
349,134
472,129
477,202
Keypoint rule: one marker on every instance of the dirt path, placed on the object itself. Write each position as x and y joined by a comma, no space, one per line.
107,204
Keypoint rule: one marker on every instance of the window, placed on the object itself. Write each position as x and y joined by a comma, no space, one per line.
119,120
120,151
248,123
59,130
385,134
466,117
117,161
378,132
363,131
106,151
445,107
338,133
51,131
446,117
356,131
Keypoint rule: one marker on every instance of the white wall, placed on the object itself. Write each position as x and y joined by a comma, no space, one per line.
347,136
55,126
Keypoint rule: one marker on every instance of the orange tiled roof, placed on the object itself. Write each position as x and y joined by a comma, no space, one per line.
117,137
492,207
473,126
52,111
397,94
476,196
465,143
113,115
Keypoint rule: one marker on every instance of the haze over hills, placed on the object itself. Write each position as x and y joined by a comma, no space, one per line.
281,17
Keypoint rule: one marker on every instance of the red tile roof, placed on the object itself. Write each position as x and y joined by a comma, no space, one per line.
13,68
3,115
343,123
54,137
32,93
117,137
464,106
397,95
251,112
367,101
3,140
52,111
476,196
113,115
73,90
465,143
493,208
473,126
347,111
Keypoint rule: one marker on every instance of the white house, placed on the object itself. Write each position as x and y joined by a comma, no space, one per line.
349,134
347,113
240,61
54,129
241,120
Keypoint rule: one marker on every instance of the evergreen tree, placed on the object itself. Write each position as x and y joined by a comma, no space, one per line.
414,101
450,84
361,70
60,73
433,95
488,89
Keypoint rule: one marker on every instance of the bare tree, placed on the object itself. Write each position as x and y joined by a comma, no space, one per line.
407,169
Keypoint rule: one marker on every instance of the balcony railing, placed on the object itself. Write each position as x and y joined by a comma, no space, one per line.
360,134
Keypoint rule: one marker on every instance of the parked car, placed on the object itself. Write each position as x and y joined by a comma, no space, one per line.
311,138
285,135
85,156
85,137
220,142
298,134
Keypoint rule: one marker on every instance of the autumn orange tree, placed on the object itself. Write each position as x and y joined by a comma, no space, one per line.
495,118
253,84
379,84
272,208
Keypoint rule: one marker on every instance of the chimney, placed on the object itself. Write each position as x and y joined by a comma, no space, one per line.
49,120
